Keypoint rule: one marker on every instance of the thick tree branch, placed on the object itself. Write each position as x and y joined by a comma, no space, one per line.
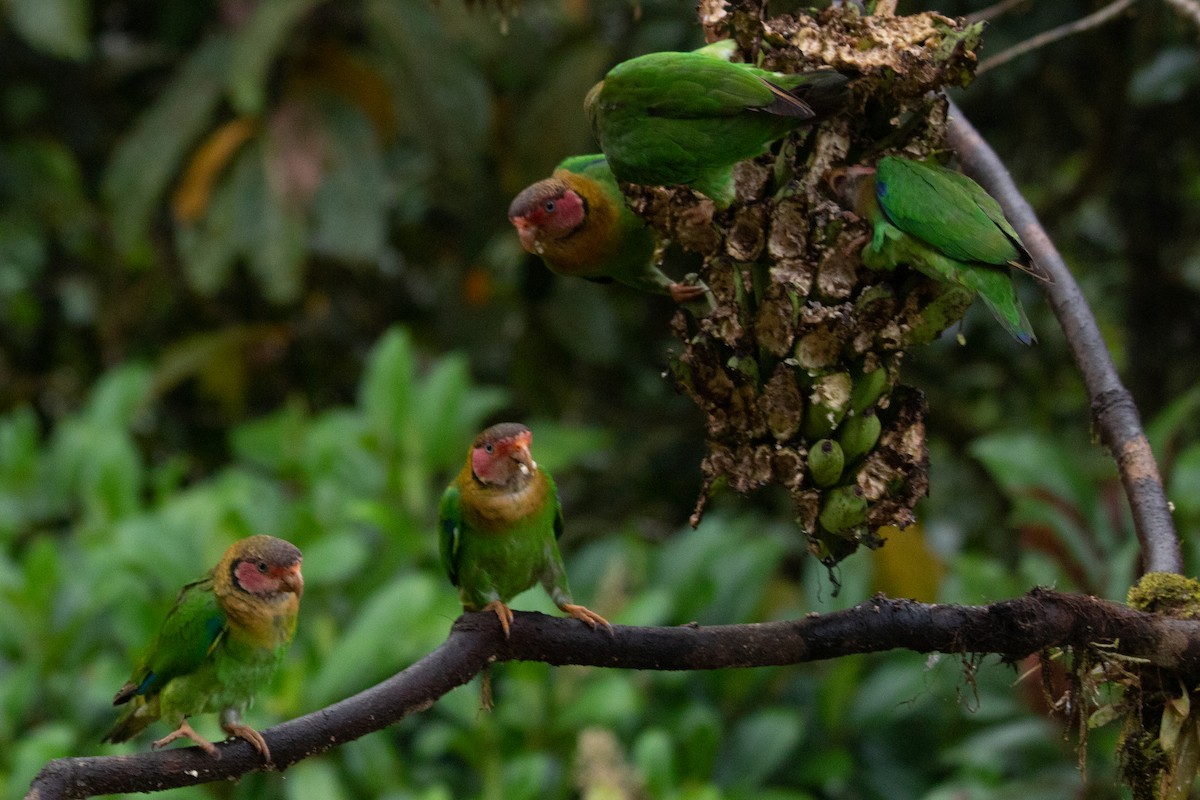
1113,411
1012,629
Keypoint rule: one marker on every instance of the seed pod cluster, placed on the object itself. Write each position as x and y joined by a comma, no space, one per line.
797,367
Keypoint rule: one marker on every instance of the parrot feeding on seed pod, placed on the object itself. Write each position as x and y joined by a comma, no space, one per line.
499,524
223,639
577,221
943,224
687,118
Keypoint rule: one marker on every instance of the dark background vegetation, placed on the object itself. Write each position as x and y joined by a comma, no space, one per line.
256,277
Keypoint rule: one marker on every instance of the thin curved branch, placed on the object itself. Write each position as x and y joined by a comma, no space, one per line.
1012,629
994,11
1113,412
1093,20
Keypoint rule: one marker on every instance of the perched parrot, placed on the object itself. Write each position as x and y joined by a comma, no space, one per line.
499,524
577,221
942,223
688,118
223,638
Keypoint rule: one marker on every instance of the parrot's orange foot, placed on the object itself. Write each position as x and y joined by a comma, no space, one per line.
185,731
250,735
586,615
503,612
685,292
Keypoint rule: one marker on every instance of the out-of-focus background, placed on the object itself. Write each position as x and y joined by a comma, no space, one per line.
256,277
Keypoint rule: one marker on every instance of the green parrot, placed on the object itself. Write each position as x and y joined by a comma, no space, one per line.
499,524
943,224
223,638
688,118
577,221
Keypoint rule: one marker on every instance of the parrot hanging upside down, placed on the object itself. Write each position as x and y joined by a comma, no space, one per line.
499,524
943,224
687,118
223,638
577,221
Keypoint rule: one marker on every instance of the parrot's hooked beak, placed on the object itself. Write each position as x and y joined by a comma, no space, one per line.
292,580
845,183
527,231
520,453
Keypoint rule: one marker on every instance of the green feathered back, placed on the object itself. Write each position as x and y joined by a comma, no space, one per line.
947,210
687,118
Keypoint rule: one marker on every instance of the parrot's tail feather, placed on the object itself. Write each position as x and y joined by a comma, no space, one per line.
1031,268
125,694
1018,326
823,93
787,104
135,720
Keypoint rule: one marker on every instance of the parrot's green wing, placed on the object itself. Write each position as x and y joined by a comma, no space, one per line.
188,635
945,209
982,199
687,86
450,531
593,165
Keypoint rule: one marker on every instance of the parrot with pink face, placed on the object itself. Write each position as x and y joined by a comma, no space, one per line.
499,525
222,640
577,221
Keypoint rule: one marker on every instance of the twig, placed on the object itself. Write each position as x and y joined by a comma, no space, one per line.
1012,629
993,11
1113,412
1044,38
1189,9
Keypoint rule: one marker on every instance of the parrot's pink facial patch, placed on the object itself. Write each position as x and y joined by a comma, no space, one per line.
497,462
257,577
562,213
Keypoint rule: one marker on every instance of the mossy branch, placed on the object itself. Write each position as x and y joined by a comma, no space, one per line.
1011,629
1113,411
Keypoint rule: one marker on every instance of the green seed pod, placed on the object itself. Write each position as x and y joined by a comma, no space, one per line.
843,509
859,434
828,403
825,461
867,389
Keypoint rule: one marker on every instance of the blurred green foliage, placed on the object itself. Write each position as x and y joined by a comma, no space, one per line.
256,276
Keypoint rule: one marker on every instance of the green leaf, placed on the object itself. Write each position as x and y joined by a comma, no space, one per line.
1166,78
334,558
351,205
23,253
449,411
274,441
314,778
397,625
654,754
210,247
1023,461
149,155
57,27
273,232
454,100
256,46
386,391
120,396
758,746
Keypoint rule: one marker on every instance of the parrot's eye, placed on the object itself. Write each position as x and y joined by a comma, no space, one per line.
549,210
262,567
489,448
